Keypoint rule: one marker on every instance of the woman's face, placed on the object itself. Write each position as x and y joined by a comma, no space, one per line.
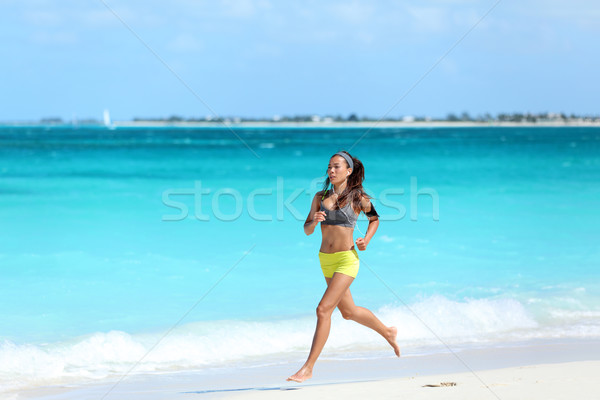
337,170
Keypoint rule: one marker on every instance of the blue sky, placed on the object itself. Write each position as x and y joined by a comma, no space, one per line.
259,58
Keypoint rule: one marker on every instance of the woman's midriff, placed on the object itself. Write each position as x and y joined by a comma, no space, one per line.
336,238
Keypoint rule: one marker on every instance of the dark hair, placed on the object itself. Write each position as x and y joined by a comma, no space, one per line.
354,190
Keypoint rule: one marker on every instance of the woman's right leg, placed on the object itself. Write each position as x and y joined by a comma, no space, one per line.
365,317
336,287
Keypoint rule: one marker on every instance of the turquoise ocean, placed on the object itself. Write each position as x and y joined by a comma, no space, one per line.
182,249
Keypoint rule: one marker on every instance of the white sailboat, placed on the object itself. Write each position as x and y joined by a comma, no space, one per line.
107,121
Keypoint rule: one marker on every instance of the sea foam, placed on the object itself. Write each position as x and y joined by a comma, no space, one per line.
431,323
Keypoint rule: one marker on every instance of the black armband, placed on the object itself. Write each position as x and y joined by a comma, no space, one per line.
372,212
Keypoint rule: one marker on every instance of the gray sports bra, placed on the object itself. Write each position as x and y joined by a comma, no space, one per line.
342,217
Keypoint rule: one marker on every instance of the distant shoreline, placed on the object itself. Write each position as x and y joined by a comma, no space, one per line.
358,124
290,124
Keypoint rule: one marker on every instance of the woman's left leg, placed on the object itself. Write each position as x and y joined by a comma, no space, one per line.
336,288
365,317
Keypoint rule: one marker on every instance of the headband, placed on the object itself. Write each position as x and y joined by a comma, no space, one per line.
347,158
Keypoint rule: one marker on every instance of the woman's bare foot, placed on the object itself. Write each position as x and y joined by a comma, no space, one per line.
302,375
393,332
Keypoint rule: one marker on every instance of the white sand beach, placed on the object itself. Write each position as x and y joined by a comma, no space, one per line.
544,370
575,380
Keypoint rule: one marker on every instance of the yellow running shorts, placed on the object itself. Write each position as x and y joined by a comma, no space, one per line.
344,262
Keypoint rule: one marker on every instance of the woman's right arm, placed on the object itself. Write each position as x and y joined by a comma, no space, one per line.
314,216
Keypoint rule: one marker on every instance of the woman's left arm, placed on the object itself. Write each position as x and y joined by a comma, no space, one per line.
368,209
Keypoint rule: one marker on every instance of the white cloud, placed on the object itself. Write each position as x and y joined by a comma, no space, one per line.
449,67
243,8
469,17
185,42
583,14
428,19
39,17
134,16
441,19
98,17
265,50
54,38
355,12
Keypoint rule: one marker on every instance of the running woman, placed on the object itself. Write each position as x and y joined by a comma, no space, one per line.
337,210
